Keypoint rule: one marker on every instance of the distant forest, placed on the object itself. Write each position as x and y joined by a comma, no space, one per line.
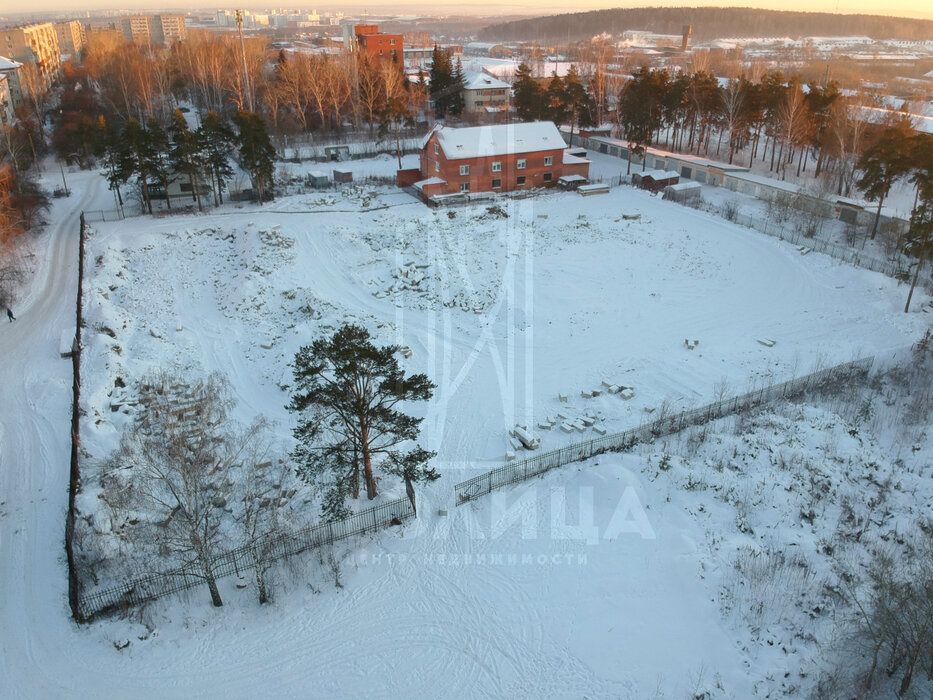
708,23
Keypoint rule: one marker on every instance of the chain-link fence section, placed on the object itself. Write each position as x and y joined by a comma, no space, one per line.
664,425
241,560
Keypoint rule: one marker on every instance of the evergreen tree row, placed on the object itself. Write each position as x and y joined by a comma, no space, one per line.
155,155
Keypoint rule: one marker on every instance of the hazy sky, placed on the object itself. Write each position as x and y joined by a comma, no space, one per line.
906,8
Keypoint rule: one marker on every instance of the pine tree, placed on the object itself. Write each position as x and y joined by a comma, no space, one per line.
528,95
395,115
580,107
919,240
216,139
186,156
557,110
256,151
135,157
113,155
887,160
440,81
346,395
456,104
159,156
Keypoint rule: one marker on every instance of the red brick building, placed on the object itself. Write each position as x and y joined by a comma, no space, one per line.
494,158
378,45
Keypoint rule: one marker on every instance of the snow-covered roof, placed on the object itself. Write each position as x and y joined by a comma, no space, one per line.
570,159
474,80
8,64
683,186
659,174
571,178
421,184
498,139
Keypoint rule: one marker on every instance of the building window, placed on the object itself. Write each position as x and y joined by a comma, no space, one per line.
547,177
520,180
464,169
437,166
520,164
497,166
548,160
464,186
496,183
436,149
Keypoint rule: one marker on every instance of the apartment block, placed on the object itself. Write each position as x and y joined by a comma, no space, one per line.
154,29
173,28
6,101
70,37
33,43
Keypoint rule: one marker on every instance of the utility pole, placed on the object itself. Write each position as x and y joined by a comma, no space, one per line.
65,184
239,28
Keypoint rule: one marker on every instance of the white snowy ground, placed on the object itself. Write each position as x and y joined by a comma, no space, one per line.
556,297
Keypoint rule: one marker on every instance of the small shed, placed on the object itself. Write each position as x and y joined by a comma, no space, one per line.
337,152
342,176
571,182
317,178
655,180
683,192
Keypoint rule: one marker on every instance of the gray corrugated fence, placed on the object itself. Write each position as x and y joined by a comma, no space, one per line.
240,561
664,425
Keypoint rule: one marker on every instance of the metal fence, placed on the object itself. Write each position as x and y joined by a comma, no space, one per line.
797,237
104,215
349,150
241,560
664,425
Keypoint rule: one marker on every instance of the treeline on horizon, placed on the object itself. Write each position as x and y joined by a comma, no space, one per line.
708,23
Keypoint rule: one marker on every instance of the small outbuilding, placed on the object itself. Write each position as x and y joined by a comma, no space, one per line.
571,182
316,178
655,180
683,192
338,152
342,176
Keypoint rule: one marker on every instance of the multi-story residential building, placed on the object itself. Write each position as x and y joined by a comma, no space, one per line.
173,28
9,69
70,37
368,38
6,100
154,29
498,158
483,94
33,43
138,29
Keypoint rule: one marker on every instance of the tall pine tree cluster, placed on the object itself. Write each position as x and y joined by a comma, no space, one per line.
155,155
564,100
445,83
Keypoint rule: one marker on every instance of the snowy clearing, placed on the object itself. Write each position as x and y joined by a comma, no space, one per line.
504,309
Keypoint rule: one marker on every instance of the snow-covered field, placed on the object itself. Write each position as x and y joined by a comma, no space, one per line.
504,309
